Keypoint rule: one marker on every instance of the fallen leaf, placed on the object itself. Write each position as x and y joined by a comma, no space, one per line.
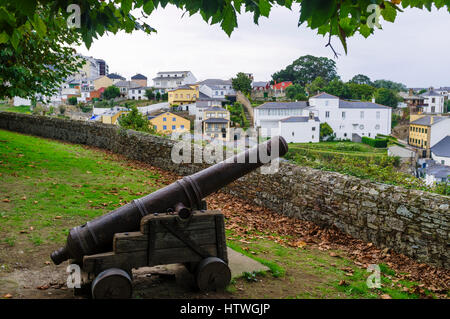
47,262
6,200
7,296
24,198
333,254
343,283
43,287
386,296
57,217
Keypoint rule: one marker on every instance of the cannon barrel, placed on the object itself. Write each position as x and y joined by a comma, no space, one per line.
96,236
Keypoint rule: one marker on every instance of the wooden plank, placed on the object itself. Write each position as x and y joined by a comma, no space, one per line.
179,255
136,241
220,238
198,221
99,262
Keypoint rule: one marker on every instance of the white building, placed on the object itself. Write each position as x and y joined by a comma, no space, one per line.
445,91
166,81
352,117
137,93
300,129
216,88
268,115
434,102
440,152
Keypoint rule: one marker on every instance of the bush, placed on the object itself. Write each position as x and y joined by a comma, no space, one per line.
375,142
62,109
72,100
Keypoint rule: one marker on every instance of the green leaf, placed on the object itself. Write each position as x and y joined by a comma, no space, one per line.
126,5
365,30
229,21
39,25
149,6
264,7
15,38
4,37
389,13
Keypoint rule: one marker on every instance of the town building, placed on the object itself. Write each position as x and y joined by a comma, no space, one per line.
168,122
279,89
300,129
185,94
267,115
125,86
166,81
216,88
347,118
140,79
433,173
216,123
102,82
115,77
440,151
414,102
112,116
427,130
137,93
434,102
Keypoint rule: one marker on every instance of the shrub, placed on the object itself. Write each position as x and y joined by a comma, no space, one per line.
375,142
62,109
72,100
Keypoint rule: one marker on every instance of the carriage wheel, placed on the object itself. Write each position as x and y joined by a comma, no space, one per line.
112,283
212,274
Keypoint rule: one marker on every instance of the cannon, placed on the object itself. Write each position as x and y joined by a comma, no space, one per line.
170,225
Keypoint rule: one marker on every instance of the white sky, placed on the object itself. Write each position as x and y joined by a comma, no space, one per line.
415,50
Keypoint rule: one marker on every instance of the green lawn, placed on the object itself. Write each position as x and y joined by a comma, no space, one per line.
19,109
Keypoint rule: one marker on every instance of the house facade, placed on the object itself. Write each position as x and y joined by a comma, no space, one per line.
300,129
170,80
268,115
216,123
427,130
434,102
137,93
102,82
216,88
125,86
186,94
168,122
352,117
140,79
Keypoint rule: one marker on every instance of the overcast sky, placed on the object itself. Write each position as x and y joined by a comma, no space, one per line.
414,50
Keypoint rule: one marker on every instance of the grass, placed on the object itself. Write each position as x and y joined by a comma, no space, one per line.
18,109
313,274
48,187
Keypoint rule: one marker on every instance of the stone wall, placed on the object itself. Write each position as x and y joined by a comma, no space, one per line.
412,222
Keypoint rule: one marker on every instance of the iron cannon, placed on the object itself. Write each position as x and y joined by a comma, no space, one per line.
163,227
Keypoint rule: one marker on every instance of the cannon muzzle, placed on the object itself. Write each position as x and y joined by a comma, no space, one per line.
182,196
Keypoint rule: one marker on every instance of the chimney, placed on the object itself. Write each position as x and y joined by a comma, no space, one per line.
411,92
430,88
311,116
431,120
373,100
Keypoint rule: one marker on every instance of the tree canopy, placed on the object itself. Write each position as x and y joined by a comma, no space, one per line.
242,83
361,79
306,69
111,92
341,18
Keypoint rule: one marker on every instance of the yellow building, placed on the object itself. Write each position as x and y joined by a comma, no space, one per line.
185,94
112,116
420,131
102,82
217,123
168,122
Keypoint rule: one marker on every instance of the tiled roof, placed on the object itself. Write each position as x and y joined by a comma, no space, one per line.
216,109
115,76
216,120
426,120
139,77
360,105
215,82
324,95
298,119
431,93
284,105
442,148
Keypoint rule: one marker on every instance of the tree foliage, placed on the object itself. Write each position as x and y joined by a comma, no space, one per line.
242,83
34,62
111,92
149,94
361,79
386,84
307,68
296,92
316,86
325,130
340,18
386,97
72,100
134,120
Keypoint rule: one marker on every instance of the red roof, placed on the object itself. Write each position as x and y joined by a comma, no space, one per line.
281,85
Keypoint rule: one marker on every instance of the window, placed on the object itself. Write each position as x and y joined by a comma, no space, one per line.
377,127
174,127
182,126
164,127
361,127
378,115
326,103
292,133
174,119
155,127
164,119
327,114
188,96
313,128
343,115
361,115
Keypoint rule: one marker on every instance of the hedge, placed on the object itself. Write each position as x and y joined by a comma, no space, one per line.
377,142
